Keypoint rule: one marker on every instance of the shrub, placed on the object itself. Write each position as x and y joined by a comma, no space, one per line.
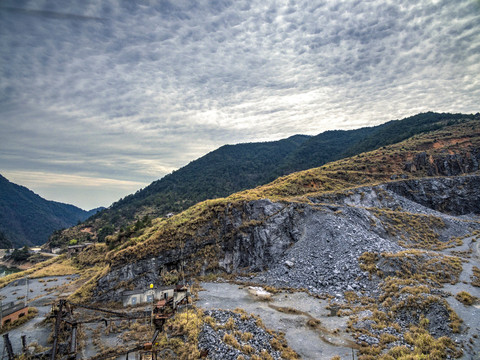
465,298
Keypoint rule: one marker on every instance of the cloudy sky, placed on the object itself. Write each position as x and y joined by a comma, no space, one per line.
99,98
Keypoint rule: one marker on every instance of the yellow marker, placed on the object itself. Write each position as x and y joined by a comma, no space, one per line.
151,286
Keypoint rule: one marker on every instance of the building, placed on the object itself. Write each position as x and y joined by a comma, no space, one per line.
137,297
75,249
11,312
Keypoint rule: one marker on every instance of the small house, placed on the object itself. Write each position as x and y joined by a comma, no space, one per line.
75,249
12,312
137,297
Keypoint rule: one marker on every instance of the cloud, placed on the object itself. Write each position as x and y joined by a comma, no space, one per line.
130,90
65,188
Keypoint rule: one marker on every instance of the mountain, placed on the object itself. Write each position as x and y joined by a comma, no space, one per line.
391,234
4,242
333,145
233,168
386,241
28,219
453,150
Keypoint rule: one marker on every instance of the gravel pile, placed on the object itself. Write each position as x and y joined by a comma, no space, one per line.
327,261
211,339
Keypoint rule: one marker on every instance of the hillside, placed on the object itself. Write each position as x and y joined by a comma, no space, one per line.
28,219
387,240
451,151
233,168
392,250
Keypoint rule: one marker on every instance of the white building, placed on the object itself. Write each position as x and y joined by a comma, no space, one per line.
137,297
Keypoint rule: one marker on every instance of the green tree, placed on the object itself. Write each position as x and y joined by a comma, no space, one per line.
20,255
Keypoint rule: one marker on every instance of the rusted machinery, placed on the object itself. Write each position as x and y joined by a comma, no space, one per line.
161,311
67,322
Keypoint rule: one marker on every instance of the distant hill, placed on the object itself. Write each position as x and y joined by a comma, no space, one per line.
28,219
232,168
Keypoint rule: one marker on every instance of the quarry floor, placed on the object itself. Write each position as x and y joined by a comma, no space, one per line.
308,342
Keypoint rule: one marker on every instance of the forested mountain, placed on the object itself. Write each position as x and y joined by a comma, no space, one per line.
28,219
334,145
4,242
233,168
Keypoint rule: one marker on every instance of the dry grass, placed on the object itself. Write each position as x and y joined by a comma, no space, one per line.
476,276
426,267
183,338
53,267
465,298
415,230
60,268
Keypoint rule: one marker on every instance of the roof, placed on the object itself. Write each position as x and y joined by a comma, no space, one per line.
80,246
11,309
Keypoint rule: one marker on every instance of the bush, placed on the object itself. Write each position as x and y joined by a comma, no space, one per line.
20,255
465,298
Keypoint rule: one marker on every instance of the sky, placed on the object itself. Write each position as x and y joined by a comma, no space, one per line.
100,98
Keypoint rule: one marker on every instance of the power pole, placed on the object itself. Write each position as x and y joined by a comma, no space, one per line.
26,295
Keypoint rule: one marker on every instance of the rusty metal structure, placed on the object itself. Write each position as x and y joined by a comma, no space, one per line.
159,314
67,321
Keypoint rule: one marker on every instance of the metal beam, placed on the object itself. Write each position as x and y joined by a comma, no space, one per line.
8,345
57,328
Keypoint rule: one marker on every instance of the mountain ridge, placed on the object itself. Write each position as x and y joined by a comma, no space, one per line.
232,168
28,219
388,237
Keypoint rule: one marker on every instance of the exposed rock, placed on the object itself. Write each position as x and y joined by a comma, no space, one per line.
324,240
212,341
457,196
445,165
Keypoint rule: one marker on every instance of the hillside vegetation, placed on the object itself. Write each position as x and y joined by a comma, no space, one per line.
389,237
452,145
233,168
28,219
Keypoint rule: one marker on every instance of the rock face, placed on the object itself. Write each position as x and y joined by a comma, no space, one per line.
326,254
447,165
312,245
456,196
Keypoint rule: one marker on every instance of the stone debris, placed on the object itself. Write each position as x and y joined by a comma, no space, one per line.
212,340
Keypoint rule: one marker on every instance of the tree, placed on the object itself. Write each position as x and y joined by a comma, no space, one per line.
20,255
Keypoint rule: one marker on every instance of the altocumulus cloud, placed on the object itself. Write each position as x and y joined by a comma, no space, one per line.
114,94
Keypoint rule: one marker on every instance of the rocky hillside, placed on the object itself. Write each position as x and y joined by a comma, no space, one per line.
387,240
394,247
28,219
219,226
233,168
